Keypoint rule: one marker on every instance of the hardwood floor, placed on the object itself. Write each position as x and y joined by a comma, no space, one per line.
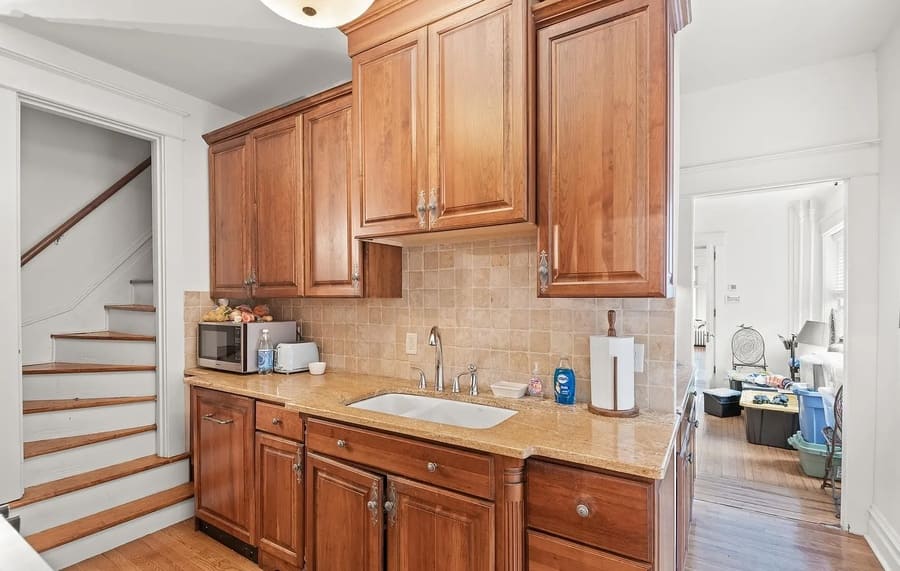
177,547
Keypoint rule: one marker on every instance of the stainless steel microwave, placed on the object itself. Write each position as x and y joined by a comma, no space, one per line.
232,346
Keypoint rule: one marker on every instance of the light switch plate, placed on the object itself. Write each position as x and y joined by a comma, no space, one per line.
412,343
638,358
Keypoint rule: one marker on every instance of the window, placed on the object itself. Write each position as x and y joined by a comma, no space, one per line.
834,296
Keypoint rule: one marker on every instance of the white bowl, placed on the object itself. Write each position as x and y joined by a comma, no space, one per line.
317,368
509,390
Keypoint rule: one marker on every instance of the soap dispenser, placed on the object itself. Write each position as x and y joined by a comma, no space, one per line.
564,382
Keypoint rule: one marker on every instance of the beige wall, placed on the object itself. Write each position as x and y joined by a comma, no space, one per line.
482,296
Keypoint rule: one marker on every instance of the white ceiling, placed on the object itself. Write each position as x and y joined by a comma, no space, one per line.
238,54
732,40
234,53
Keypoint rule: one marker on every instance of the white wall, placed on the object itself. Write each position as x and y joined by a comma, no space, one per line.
828,104
756,259
886,501
64,164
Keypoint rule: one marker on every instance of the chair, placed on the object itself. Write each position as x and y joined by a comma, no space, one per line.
833,442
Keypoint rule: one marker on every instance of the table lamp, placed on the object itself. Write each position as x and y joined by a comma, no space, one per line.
812,333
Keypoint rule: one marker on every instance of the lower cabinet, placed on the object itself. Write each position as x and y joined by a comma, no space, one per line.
279,493
686,472
548,553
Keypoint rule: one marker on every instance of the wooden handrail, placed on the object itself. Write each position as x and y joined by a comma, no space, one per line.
79,216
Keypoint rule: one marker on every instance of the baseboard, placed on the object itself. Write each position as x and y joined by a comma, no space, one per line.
72,553
884,540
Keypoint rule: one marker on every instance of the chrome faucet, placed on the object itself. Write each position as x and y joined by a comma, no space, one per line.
422,381
473,374
434,339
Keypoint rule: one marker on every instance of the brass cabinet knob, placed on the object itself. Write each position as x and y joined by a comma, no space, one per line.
276,421
582,510
432,467
342,443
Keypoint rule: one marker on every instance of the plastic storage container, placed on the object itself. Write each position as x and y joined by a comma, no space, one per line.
814,457
812,416
722,402
770,427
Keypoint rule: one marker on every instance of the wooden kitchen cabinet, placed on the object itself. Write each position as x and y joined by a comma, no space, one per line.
279,491
277,215
223,448
441,124
604,148
229,204
344,507
431,528
686,474
281,222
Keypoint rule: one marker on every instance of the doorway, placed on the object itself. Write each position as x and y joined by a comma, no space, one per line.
784,267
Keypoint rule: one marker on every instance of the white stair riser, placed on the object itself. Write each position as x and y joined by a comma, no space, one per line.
75,505
72,553
49,467
102,351
89,385
43,425
137,322
142,294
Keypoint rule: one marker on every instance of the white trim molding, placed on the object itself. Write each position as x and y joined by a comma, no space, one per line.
884,540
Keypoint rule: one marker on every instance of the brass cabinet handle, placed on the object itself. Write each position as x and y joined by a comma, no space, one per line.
211,418
298,466
342,443
421,209
582,510
354,277
390,505
544,271
433,205
432,467
372,504
276,421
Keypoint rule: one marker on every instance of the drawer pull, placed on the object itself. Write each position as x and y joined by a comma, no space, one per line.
432,467
342,443
276,421
211,418
582,510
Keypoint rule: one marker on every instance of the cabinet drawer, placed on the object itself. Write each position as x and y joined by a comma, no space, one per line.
276,420
467,472
603,511
546,553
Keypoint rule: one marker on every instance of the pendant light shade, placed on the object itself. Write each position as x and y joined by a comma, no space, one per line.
319,13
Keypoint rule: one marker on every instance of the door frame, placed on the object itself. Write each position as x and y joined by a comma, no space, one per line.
714,242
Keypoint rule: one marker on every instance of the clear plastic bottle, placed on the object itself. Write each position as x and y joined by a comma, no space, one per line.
265,355
535,385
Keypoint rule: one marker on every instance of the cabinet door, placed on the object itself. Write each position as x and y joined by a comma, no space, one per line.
332,260
277,223
390,146
685,476
229,218
430,528
603,153
279,492
549,553
478,116
223,430
345,525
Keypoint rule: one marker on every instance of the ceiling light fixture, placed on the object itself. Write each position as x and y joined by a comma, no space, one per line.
319,13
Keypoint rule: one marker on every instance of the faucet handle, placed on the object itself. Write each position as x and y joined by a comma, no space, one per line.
422,380
455,387
473,372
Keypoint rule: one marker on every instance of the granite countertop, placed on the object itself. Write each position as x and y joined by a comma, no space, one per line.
639,446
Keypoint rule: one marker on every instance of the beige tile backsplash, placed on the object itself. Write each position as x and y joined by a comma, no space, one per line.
482,296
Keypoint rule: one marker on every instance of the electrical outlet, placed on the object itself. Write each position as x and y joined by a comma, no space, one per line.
412,343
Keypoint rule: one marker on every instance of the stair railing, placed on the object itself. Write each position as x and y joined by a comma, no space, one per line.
58,232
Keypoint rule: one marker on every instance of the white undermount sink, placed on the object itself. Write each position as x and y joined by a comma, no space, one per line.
456,413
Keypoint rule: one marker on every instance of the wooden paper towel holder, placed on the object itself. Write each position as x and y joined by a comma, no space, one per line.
616,413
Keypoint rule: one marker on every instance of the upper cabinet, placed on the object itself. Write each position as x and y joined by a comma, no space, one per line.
603,143
281,223
441,125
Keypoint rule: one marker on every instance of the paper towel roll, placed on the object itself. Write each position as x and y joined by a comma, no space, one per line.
604,393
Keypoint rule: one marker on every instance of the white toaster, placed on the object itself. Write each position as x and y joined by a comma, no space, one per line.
294,357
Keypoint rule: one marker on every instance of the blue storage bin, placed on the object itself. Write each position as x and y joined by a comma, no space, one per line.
812,416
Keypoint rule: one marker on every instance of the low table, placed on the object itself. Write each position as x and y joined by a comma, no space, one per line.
770,424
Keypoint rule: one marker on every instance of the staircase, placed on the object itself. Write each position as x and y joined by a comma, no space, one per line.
93,478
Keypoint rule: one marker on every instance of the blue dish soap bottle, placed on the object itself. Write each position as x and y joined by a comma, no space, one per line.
564,382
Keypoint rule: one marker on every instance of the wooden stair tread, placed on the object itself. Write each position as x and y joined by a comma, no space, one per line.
133,307
50,445
105,336
68,532
61,368
33,406
77,482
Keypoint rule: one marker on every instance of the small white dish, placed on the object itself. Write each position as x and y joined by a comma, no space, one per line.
317,368
510,390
